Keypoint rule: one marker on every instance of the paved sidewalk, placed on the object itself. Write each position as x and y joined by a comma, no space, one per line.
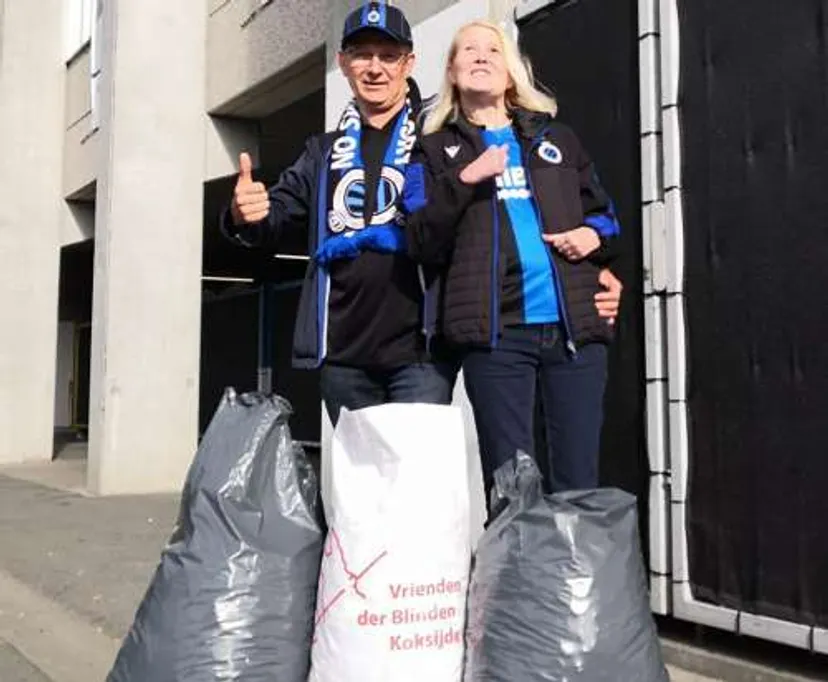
38,634
15,668
93,556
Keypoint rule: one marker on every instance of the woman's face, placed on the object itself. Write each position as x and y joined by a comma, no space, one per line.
479,65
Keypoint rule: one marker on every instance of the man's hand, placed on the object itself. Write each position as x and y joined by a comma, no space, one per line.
251,203
489,164
576,244
608,301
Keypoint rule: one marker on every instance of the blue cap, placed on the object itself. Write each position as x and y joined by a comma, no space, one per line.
378,16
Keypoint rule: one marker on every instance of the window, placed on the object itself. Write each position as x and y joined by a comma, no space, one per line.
83,22
78,18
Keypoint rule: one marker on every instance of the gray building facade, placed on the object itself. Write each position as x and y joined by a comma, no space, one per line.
120,124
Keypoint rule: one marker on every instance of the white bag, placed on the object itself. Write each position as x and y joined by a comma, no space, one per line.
392,590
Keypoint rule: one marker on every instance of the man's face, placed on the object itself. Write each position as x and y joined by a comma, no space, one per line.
377,68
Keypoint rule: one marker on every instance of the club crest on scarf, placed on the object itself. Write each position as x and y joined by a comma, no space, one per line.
348,235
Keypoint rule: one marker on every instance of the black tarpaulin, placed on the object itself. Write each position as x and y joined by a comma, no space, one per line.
754,112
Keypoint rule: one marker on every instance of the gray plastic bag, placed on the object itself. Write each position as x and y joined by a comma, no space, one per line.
233,597
558,591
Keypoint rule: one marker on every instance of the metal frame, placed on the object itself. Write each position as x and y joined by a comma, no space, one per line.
652,210
265,373
76,426
664,237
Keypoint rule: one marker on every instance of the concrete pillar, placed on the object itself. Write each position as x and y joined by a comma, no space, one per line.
149,219
31,140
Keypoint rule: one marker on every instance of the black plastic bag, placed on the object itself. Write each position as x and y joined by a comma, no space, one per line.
233,597
558,590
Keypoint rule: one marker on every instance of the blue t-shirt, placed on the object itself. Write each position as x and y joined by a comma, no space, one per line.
540,299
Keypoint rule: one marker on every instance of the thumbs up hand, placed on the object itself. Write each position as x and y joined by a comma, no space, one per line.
251,203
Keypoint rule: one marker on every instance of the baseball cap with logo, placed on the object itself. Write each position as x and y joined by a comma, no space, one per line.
378,16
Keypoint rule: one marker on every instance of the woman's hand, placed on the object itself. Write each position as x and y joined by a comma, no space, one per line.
576,244
489,164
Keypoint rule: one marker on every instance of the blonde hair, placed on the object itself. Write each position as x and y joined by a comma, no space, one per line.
522,93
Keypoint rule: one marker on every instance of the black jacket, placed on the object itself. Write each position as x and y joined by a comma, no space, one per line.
299,201
457,226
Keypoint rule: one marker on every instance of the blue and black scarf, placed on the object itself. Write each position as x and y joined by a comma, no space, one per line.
347,234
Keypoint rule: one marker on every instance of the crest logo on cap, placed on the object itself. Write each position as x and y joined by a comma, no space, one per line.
373,16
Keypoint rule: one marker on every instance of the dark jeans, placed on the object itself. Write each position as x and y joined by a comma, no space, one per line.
355,388
501,387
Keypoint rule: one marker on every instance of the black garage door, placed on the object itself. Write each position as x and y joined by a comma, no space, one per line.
754,107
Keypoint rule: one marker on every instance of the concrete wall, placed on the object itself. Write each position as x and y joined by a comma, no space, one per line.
148,247
249,41
81,157
31,117
78,94
502,10
258,62
225,139
77,220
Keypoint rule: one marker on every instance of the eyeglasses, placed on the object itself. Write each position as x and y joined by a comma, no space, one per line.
362,58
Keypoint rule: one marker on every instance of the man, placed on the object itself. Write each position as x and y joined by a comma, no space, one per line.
364,303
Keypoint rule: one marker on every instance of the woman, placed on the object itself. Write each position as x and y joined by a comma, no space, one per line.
506,199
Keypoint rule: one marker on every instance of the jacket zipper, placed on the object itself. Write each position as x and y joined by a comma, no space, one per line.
570,343
322,278
495,297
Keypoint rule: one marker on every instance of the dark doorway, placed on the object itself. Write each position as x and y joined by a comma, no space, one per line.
75,308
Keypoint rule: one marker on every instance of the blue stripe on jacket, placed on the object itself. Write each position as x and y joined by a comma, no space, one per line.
414,189
606,224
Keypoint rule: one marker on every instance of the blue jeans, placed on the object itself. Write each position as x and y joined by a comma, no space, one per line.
355,387
501,387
